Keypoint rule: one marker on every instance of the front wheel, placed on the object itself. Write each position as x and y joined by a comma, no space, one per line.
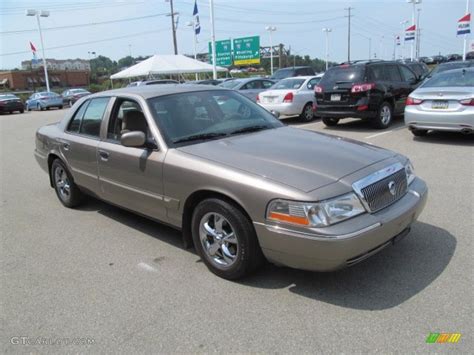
66,190
330,122
225,239
384,116
307,115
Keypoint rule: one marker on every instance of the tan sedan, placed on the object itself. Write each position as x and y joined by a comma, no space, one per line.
240,185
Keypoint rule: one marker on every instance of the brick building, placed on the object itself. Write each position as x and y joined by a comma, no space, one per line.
34,79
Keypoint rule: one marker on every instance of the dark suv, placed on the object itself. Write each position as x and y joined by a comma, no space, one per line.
370,90
291,72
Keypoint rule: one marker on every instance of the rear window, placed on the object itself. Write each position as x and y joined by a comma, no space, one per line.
230,84
288,84
343,74
461,78
283,73
444,67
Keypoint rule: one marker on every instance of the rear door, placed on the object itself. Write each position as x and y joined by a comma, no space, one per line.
410,83
80,141
396,87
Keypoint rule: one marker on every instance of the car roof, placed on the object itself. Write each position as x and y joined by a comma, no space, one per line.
452,71
149,91
467,62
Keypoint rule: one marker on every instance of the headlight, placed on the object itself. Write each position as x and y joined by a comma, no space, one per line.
319,214
410,171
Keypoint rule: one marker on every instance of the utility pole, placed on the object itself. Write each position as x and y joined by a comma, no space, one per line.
173,27
271,29
43,13
349,9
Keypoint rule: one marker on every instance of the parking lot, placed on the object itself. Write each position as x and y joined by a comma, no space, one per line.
126,283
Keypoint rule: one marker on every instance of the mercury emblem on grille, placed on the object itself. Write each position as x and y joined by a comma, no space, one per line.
391,188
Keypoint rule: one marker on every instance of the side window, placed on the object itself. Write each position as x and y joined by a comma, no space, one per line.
267,84
408,75
312,83
393,73
93,117
378,72
126,115
252,85
75,123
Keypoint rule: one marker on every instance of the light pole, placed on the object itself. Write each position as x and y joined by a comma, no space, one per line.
213,40
413,22
192,25
404,24
465,35
327,30
271,29
39,14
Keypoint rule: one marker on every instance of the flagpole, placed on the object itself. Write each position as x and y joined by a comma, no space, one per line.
213,40
465,36
195,45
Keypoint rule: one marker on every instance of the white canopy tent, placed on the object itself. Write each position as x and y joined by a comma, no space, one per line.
165,64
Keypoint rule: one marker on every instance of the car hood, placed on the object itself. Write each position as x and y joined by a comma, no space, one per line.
305,160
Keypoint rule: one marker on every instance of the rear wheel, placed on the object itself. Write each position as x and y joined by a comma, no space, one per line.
330,121
307,115
66,190
419,132
384,117
225,239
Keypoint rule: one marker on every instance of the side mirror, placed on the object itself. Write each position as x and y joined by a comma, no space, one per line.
133,139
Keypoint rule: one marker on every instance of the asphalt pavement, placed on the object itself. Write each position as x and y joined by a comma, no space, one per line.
111,281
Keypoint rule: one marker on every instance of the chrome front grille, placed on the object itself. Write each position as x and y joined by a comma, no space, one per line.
382,188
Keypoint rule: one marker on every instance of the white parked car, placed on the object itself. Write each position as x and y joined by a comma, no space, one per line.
291,97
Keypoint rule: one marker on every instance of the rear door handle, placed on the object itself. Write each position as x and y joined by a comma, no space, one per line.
104,155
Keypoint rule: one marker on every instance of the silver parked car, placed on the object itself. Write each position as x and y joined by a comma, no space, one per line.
291,97
240,185
248,87
443,103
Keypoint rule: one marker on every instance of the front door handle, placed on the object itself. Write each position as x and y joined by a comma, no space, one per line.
104,155
66,146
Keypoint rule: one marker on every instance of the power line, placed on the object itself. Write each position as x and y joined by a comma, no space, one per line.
84,24
88,42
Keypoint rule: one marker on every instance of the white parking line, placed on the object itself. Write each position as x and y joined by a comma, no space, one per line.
385,132
147,267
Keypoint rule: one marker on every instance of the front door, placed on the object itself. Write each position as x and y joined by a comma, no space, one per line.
131,177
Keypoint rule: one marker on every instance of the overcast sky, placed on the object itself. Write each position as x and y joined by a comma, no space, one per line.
298,22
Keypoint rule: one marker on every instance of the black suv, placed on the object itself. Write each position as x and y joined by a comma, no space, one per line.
291,72
370,90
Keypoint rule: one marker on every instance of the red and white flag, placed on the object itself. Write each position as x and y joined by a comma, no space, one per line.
464,25
410,33
33,49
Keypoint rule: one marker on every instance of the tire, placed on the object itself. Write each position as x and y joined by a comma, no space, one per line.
307,115
384,116
237,252
419,132
38,107
67,191
60,107
330,122
22,110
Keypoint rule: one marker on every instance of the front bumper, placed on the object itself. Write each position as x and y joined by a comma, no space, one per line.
459,121
346,243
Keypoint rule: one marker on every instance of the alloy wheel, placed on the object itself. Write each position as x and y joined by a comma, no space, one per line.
218,239
385,115
63,185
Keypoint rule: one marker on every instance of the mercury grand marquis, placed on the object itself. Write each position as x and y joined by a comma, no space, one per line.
240,185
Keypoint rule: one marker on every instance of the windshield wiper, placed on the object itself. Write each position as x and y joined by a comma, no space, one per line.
201,136
250,129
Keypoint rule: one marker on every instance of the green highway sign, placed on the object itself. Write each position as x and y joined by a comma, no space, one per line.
246,50
223,53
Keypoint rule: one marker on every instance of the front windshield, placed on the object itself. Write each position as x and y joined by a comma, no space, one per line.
78,90
7,97
288,84
196,116
230,84
458,78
